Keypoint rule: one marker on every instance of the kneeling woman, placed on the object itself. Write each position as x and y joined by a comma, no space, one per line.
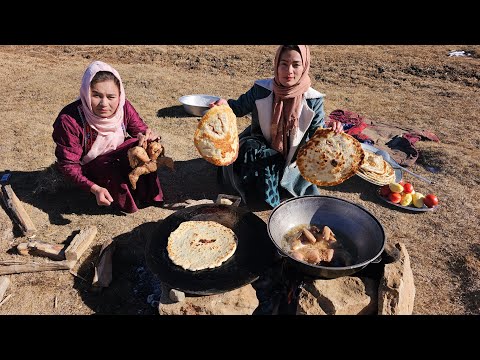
93,135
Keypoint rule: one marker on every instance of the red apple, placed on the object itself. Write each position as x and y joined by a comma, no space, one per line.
430,200
407,188
395,197
385,190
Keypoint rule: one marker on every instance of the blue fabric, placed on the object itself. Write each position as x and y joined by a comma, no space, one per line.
260,168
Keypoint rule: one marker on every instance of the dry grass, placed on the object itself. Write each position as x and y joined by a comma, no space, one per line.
416,87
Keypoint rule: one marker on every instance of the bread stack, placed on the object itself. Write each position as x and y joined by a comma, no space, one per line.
375,169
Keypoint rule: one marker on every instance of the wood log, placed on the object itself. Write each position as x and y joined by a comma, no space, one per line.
4,284
5,300
18,212
80,243
103,269
41,248
16,267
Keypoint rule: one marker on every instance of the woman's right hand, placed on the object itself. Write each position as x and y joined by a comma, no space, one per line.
102,195
218,103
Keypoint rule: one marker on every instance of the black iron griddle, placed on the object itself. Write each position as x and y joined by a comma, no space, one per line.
254,254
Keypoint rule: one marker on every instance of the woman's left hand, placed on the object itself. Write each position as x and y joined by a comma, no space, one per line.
337,126
148,136
218,102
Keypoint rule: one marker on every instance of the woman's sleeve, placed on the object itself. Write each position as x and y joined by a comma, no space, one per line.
67,135
245,103
318,118
133,121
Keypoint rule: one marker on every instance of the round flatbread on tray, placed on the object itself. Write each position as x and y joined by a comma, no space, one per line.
329,159
216,137
375,169
198,245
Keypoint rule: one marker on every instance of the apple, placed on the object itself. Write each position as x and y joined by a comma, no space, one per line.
394,197
385,190
407,188
395,187
430,200
406,199
417,199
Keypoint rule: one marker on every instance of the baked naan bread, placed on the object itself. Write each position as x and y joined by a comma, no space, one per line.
198,245
329,159
216,137
373,163
375,169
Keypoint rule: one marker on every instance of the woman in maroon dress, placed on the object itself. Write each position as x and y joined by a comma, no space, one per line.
93,135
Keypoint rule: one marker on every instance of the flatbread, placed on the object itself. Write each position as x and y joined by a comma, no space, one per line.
216,137
373,162
375,169
198,245
329,159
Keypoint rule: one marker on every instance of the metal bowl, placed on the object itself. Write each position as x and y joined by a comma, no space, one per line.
197,104
353,224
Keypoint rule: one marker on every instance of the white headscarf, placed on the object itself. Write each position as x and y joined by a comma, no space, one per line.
110,131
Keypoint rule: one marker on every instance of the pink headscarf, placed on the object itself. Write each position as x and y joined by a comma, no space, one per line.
110,131
287,101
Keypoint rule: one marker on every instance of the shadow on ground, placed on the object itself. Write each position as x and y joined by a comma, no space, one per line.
57,203
173,111
192,179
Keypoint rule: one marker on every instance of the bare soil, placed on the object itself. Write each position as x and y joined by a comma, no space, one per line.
409,87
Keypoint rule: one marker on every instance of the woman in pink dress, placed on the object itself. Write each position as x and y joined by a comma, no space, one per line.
92,136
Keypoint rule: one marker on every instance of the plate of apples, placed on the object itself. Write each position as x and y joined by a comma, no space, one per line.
404,195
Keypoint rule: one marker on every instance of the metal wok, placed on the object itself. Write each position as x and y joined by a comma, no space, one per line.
359,229
254,253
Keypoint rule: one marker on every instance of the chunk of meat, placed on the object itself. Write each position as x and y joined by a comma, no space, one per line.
146,168
296,244
313,255
137,155
154,150
328,234
309,236
308,254
327,255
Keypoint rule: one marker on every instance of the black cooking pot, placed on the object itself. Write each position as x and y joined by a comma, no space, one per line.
360,232
254,254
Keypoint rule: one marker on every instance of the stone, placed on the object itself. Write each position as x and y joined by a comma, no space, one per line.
396,291
346,295
176,295
242,301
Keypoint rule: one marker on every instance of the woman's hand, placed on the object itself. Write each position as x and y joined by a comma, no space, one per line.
337,126
102,195
218,103
148,136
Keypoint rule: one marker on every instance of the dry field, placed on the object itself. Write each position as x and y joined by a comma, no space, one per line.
415,87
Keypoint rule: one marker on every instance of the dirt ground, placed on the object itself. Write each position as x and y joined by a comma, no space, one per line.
410,87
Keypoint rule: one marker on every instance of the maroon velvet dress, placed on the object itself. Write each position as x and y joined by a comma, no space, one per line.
74,137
